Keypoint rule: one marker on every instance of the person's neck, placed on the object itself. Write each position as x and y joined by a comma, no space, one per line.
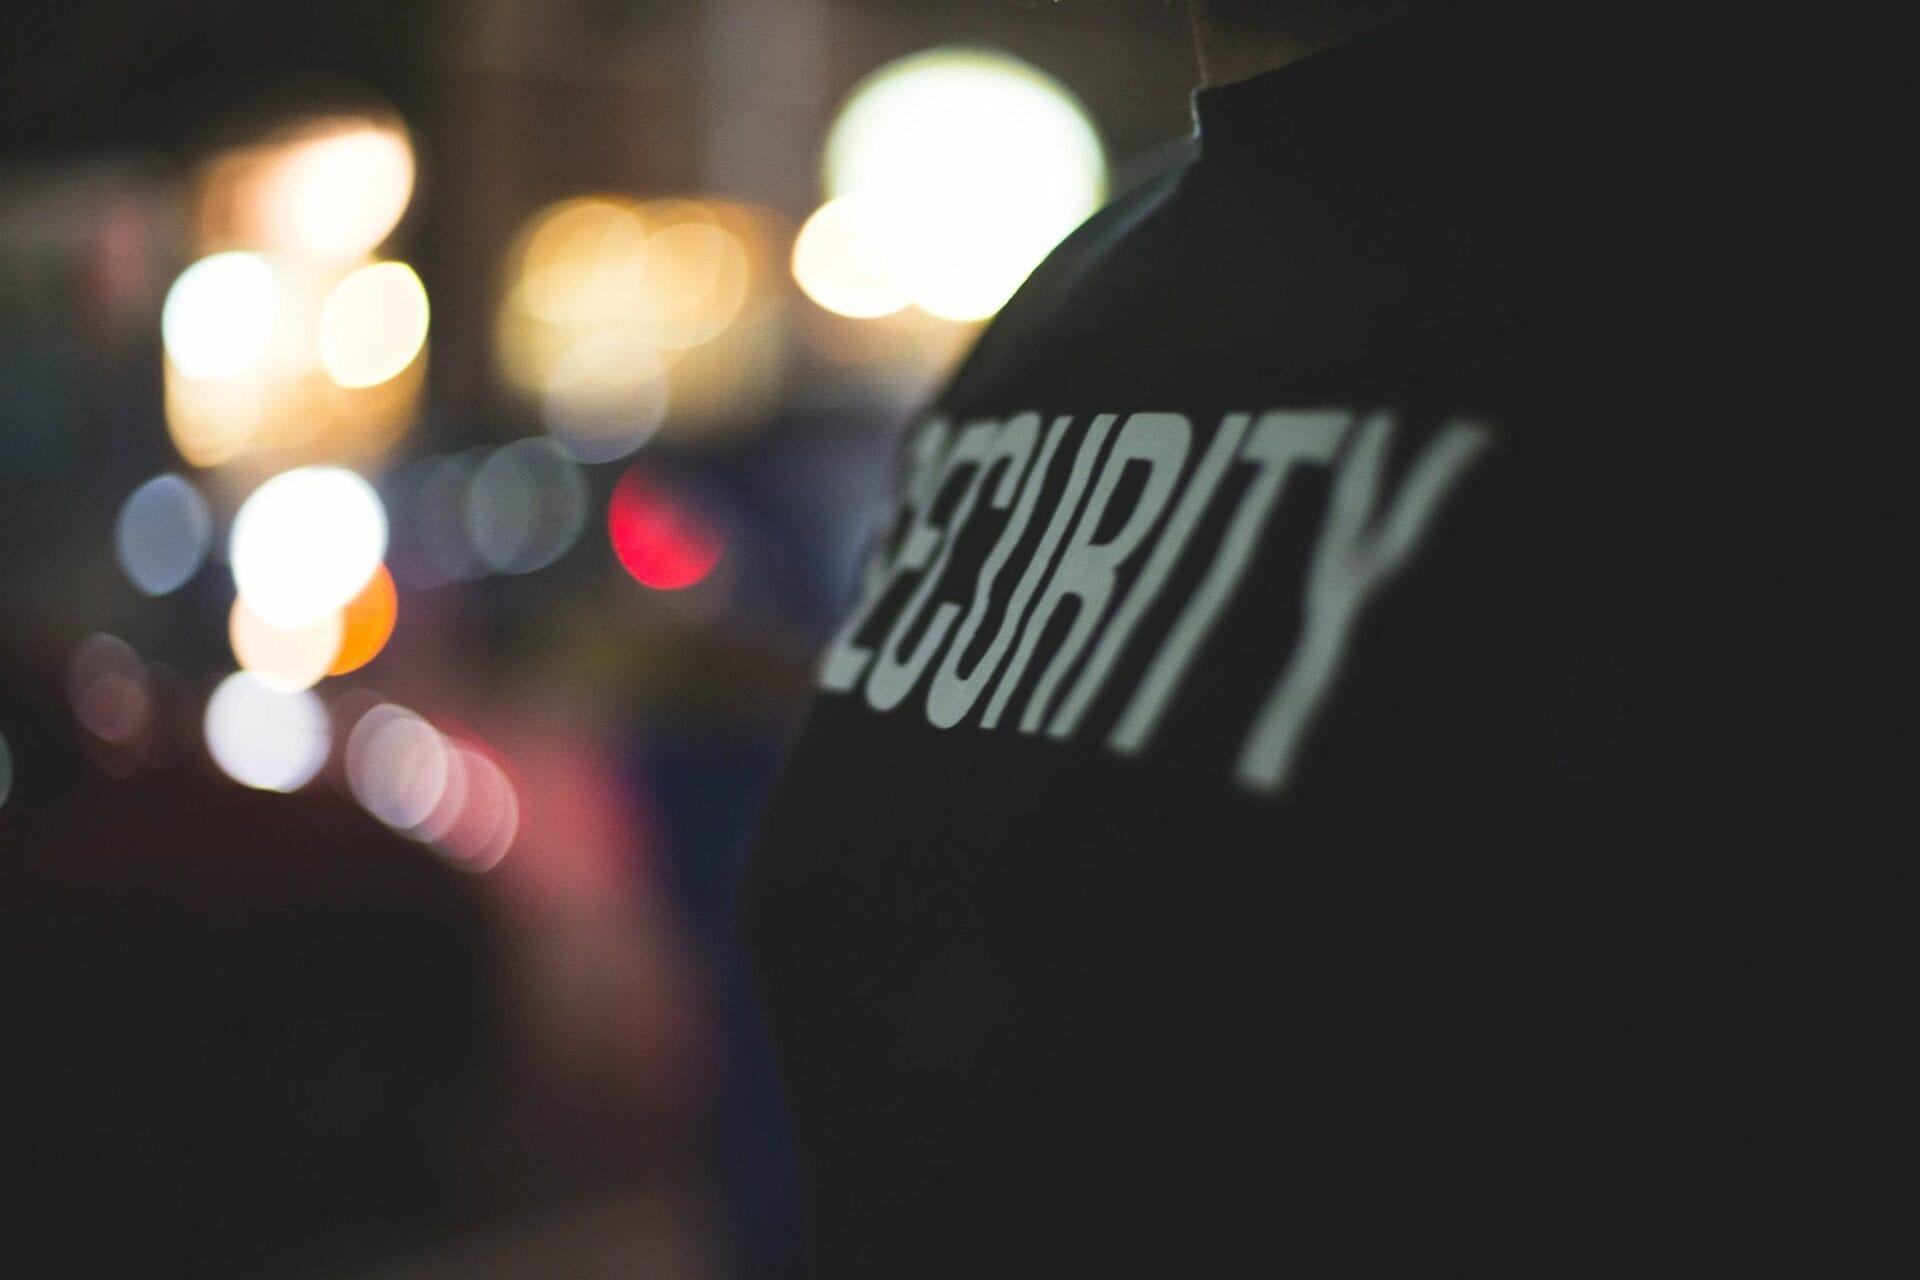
1229,54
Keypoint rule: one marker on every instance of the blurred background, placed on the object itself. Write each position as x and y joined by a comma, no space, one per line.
435,440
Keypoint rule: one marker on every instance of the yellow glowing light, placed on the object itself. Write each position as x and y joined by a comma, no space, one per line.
609,302
283,408
218,321
696,283
287,658
838,261
373,324
358,424
212,421
975,163
367,624
340,190
584,261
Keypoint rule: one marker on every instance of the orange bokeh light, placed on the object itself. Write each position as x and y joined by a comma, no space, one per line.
367,623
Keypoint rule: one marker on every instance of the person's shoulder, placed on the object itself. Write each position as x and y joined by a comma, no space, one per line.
1048,291
1111,224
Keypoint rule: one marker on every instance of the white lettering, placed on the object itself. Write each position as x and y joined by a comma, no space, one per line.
1153,575
1280,441
1359,552
952,695
893,676
845,661
1036,569
1086,570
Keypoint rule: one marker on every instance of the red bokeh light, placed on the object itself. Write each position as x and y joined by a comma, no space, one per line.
660,538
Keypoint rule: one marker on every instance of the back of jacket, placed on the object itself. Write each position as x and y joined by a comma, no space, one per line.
1206,838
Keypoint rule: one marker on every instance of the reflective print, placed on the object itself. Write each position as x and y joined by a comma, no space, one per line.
845,662
1279,442
894,676
1367,537
1359,552
1037,569
1146,589
952,695
1087,568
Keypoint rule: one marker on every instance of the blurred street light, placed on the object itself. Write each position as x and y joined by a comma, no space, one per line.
661,537
219,316
838,260
287,658
263,737
373,324
971,166
306,542
162,534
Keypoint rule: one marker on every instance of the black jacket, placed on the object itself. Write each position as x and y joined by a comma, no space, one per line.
1221,837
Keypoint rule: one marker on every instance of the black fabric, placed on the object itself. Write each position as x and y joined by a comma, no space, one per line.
1047,1007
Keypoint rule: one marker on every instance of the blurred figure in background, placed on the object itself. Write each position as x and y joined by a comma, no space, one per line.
1221,839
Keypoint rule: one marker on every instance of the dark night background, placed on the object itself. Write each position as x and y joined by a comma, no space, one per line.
262,1034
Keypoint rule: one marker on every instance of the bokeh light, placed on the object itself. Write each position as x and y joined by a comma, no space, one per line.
213,421
220,411
697,280
584,261
218,320
974,165
339,189
111,696
839,263
117,708
288,346
445,792
307,395
481,831
266,738
605,397
451,803
428,498
162,534
397,766
306,542
526,506
99,655
660,537
373,324
367,623
615,311
285,657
